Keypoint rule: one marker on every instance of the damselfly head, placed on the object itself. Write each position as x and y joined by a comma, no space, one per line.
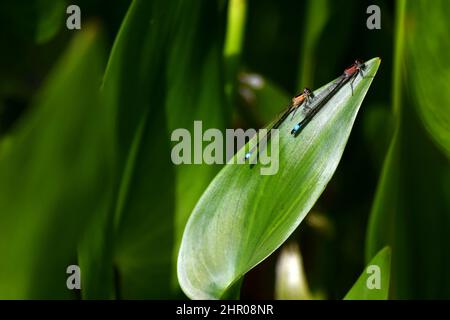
360,64
308,93
305,95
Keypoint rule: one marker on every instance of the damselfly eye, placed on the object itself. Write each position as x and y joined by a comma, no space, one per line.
307,92
360,64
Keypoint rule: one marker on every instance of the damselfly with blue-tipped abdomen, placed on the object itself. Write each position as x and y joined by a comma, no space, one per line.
304,99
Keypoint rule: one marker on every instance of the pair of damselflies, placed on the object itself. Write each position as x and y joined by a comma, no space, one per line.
306,98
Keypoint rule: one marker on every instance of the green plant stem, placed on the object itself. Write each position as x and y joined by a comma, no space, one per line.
236,19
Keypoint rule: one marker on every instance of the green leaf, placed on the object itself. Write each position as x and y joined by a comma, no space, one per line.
244,216
410,216
195,92
53,175
142,214
376,273
411,209
429,66
95,256
164,72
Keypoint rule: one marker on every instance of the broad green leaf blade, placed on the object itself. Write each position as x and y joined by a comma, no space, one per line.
411,208
95,256
244,216
373,283
54,176
411,217
429,66
164,72
195,92
143,217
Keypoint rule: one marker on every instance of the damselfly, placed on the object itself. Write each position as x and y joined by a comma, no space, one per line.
304,98
351,73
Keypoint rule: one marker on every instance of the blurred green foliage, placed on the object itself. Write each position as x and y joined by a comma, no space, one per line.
85,171
55,175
